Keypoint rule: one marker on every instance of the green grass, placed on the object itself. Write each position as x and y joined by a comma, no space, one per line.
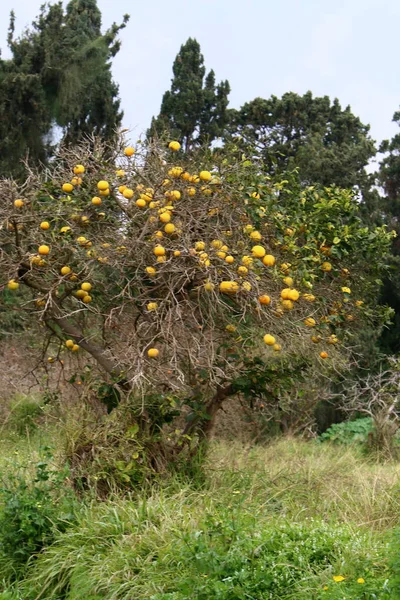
269,523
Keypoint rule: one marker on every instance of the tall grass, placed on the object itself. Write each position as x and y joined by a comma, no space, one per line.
273,522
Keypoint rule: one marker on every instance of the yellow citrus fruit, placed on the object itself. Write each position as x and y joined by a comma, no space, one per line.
293,295
315,339
288,281
255,236
285,294
229,287
151,270
323,355
44,225
205,175
75,348
191,191
247,260
175,195
346,290
86,286
287,304
242,270
76,180
65,270
152,352
79,169
128,193
141,203
199,246
170,228
209,286
43,250
19,203
264,299
96,201
268,260
310,322
86,299
67,187
70,343
81,240
221,254
120,173
285,267
229,259
122,188
246,286
326,266
217,244
152,306
165,217
65,229
161,259
359,302
104,192
159,251
12,284
129,151
309,297
230,328
258,251
177,253
333,339
174,146
277,347
269,339
102,185
175,172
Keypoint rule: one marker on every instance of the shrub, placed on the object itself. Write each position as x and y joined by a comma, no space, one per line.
349,432
32,511
24,415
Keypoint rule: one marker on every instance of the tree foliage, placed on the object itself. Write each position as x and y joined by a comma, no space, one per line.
194,111
329,145
183,280
58,75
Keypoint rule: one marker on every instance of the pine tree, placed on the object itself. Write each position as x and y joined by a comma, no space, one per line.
59,74
194,110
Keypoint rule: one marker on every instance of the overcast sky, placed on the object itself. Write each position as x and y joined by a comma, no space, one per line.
343,48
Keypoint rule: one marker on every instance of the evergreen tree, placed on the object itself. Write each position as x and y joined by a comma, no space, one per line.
59,74
328,144
194,110
389,178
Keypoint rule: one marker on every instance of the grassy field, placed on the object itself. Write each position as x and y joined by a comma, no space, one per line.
295,519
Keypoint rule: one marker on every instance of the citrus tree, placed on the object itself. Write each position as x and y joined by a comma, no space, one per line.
186,278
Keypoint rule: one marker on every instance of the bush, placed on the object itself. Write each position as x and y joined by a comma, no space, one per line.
24,415
32,511
349,432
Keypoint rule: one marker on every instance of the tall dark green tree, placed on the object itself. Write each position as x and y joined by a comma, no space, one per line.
389,179
59,74
195,109
327,144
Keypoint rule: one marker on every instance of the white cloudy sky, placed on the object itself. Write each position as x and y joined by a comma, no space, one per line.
343,48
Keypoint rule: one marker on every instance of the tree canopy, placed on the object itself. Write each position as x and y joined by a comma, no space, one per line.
194,111
59,74
327,144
